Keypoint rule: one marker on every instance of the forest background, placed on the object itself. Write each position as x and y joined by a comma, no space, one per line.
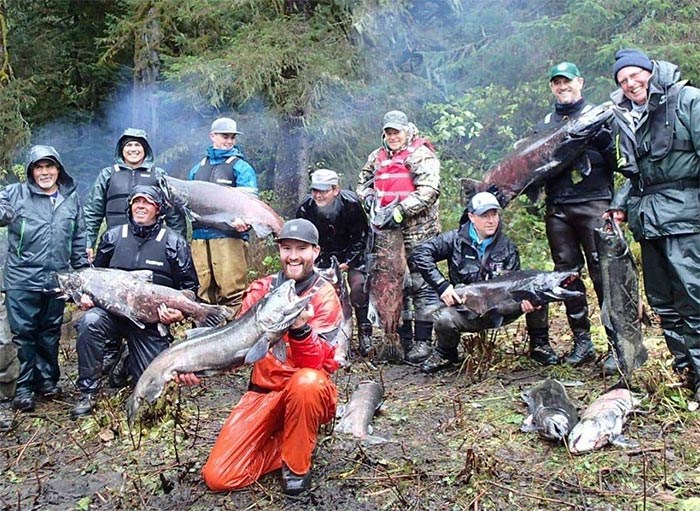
309,81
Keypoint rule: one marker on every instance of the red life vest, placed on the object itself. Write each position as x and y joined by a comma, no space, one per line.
392,179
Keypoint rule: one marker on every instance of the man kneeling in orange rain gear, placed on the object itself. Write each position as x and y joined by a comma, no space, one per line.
275,424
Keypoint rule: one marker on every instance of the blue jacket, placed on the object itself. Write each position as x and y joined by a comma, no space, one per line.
244,177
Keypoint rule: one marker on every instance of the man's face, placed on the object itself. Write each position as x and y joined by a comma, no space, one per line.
395,139
634,82
297,258
566,91
325,197
223,140
133,153
143,211
45,175
486,225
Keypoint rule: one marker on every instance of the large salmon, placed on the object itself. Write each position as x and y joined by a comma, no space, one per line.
356,415
132,295
543,155
217,206
340,340
621,311
387,268
488,297
242,341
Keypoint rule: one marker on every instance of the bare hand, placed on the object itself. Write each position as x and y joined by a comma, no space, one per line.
304,317
450,297
527,307
240,225
90,255
188,379
617,215
168,316
86,302
344,267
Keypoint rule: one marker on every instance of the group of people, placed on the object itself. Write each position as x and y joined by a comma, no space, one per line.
652,141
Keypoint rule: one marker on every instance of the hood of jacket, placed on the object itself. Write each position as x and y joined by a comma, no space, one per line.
46,152
140,135
218,156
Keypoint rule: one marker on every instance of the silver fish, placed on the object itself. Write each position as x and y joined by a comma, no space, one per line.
340,339
242,341
601,423
552,415
132,295
217,206
356,415
621,311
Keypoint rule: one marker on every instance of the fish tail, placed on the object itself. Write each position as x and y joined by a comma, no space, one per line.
212,315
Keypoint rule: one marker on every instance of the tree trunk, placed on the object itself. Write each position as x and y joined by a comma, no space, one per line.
292,163
146,72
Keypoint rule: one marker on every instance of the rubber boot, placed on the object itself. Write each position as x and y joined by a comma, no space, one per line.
540,349
364,331
583,351
406,335
7,417
609,366
364,335
423,345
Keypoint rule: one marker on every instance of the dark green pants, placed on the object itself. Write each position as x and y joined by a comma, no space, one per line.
35,320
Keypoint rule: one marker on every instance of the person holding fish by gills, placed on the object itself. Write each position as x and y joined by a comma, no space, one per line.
275,424
657,142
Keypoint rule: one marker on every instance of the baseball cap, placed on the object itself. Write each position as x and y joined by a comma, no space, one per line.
395,119
565,69
224,125
299,229
324,179
483,202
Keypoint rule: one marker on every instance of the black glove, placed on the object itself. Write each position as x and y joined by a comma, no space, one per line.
502,200
392,220
368,202
602,140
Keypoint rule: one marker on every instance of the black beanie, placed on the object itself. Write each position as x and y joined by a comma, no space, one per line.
631,57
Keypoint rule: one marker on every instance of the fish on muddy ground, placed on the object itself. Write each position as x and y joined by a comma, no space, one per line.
542,156
622,309
356,416
343,334
217,205
601,423
487,297
552,415
243,341
132,295
386,267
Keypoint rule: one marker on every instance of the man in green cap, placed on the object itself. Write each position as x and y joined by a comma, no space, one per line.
576,200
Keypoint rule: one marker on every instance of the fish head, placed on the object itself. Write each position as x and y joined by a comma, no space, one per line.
70,284
548,286
281,308
175,195
554,425
590,122
611,237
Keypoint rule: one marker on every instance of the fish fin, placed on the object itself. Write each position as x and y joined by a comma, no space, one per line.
136,322
528,425
194,216
215,315
340,411
142,275
258,351
373,440
624,442
495,317
372,314
279,351
162,329
196,332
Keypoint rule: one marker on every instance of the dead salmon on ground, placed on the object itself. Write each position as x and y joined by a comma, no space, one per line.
544,155
245,340
601,423
132,295
217,206
356,416
552,414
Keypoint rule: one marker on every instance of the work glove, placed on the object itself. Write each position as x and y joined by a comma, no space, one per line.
368,202
394,220
602,140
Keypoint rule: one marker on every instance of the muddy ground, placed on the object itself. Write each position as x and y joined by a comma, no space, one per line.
453,444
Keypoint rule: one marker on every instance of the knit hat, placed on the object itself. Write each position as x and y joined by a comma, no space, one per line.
631,57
